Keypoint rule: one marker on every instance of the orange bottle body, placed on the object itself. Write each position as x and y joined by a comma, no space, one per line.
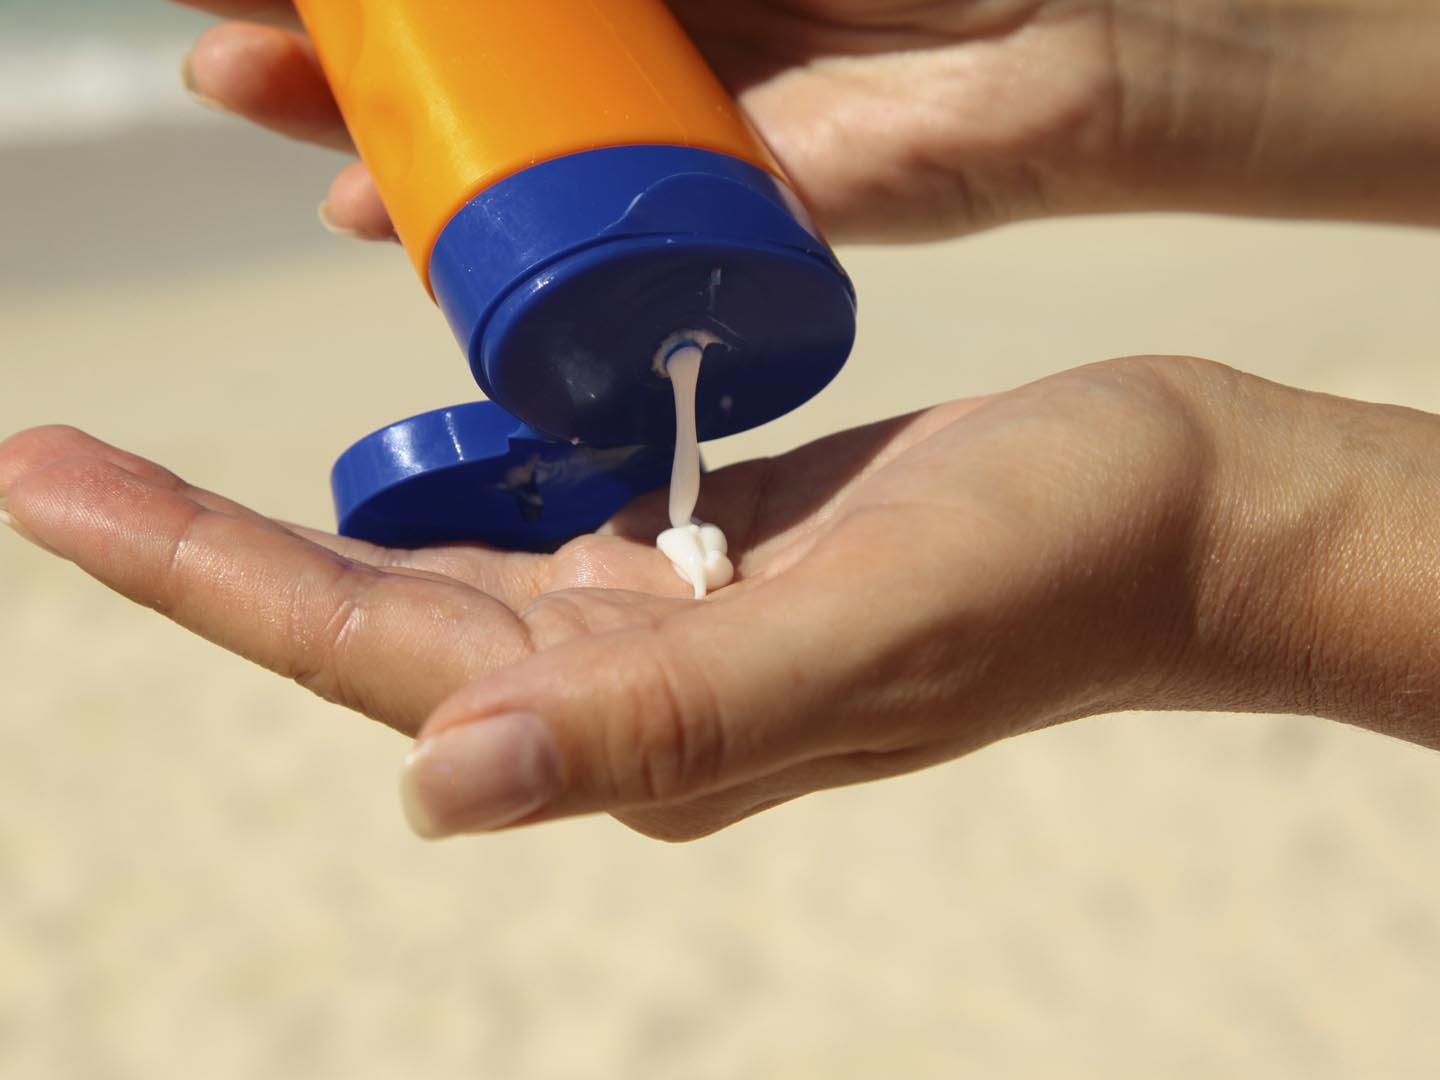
445,98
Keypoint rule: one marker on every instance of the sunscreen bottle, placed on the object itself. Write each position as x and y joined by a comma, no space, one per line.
575,188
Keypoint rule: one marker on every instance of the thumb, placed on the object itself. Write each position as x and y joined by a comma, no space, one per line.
703,698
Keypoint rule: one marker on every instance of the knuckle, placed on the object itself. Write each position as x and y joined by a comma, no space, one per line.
180,546
556,618
320,654
674,744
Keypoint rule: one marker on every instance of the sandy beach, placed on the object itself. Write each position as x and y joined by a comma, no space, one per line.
203,869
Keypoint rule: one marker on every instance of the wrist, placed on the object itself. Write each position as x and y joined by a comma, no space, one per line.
1298,108
1315,587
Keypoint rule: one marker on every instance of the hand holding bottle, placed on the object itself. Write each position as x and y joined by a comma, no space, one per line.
900,120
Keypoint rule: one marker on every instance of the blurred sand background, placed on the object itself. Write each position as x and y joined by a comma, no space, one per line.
203,870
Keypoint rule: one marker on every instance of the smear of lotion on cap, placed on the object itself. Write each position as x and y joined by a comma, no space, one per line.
699,552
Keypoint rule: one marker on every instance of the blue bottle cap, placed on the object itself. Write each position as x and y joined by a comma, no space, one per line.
563,281
473,473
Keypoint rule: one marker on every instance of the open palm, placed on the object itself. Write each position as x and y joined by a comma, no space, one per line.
907,592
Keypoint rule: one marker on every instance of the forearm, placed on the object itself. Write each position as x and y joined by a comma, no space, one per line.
1316,588
1304,108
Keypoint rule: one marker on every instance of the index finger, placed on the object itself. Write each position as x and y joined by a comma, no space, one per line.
390,645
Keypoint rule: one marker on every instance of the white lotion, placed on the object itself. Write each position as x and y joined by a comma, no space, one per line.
699,553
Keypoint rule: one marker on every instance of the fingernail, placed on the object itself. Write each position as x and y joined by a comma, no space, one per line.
339,230
187,79
480,776
5,518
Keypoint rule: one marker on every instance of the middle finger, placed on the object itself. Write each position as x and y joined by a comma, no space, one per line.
269,76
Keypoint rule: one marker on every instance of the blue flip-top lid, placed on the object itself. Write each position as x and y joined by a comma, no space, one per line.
563,280
475,474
